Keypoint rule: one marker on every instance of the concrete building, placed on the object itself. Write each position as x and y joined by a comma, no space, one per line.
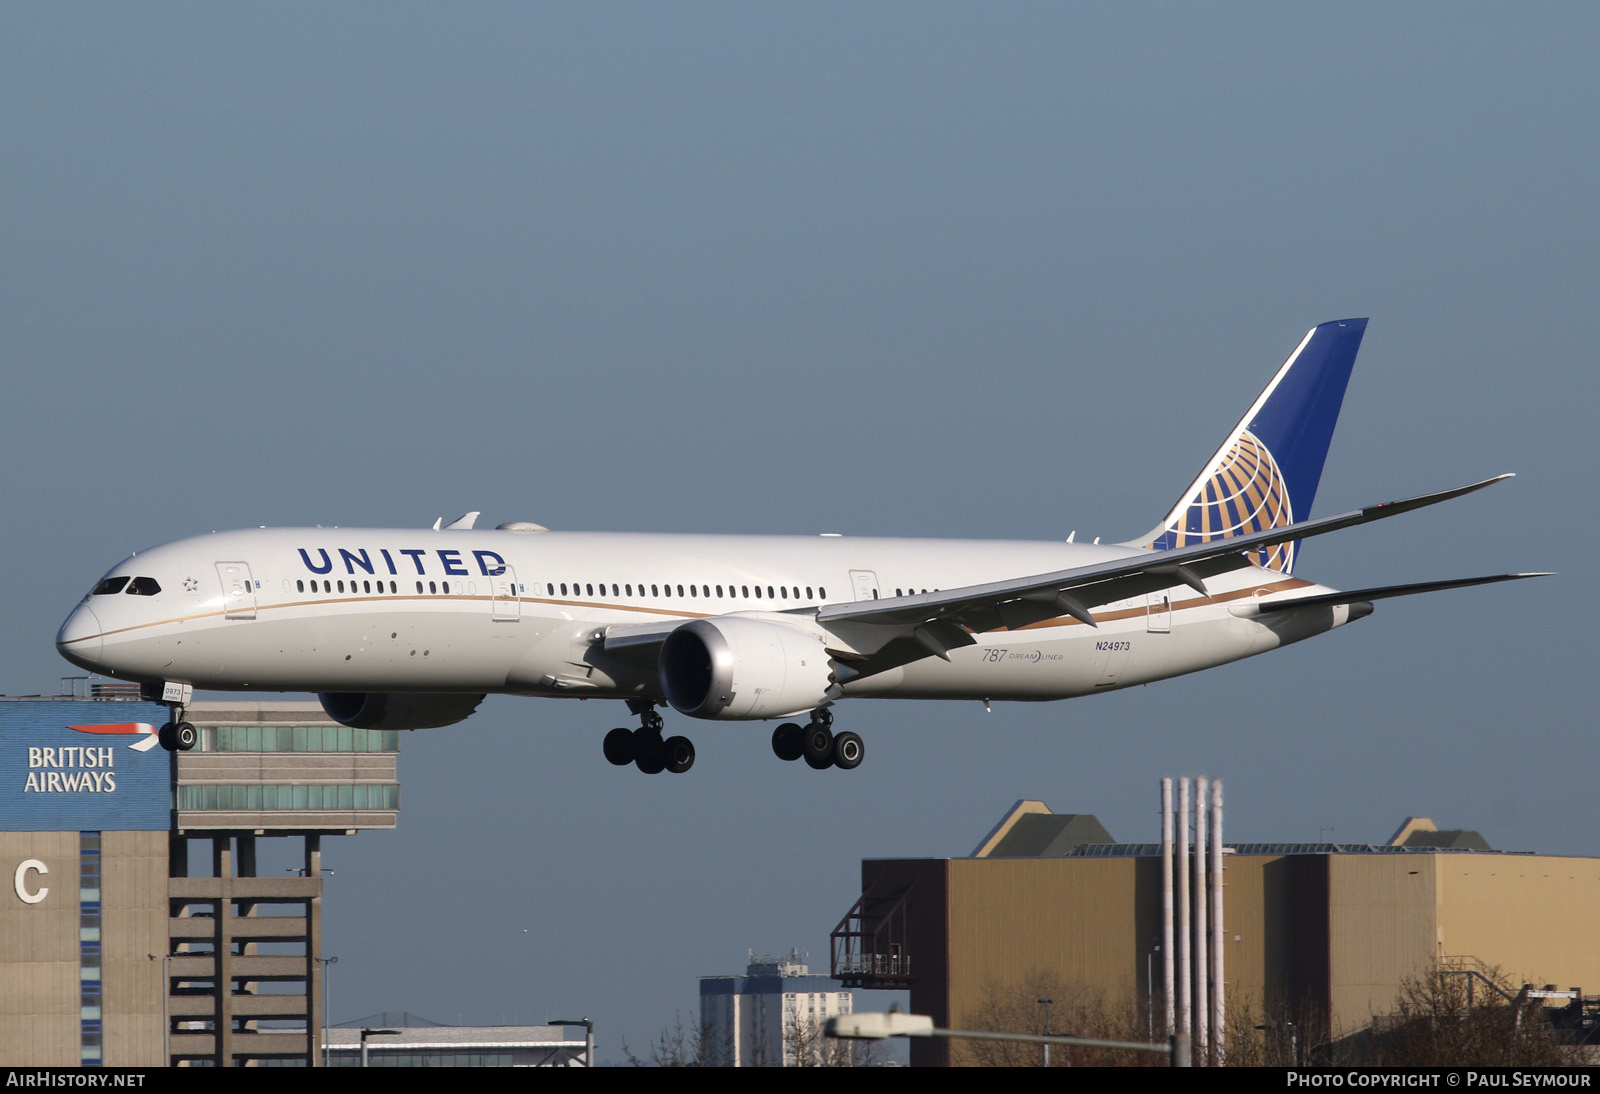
1325,932
772,1016
123,944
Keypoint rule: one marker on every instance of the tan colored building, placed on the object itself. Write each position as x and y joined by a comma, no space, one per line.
1310,929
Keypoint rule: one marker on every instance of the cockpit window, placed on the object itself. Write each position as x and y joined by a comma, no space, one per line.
143,586
109,585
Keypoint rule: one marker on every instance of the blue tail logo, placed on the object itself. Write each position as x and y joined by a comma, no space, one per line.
1265,474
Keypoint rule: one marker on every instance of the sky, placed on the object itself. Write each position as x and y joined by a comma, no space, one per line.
893,269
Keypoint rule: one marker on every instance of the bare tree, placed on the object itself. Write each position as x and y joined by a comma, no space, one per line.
1075,1010
1440,1021
806,1045
680,1045
1275,1035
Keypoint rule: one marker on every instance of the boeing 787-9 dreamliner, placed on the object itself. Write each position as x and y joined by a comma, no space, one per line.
409,629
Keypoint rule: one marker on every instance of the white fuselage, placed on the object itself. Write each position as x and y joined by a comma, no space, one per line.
398,610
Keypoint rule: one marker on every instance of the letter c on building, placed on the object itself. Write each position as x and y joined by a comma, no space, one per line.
22,881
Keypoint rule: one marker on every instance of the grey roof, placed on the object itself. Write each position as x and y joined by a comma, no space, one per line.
1456,839
456,1037
1050,835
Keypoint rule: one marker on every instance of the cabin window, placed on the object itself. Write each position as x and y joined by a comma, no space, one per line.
628,589
393,588
299,586
680,590
784,589
758,592
341,585
433,587
808,593
366,586
419,586
769,592
589,589
654,591
822,594
745,589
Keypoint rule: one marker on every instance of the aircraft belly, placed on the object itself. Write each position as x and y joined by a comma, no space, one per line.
369,651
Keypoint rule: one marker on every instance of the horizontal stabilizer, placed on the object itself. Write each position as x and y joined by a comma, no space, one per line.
1356,596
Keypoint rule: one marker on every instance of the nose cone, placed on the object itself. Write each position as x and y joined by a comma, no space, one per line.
79,638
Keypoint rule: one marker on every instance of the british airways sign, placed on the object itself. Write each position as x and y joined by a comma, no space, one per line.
83,765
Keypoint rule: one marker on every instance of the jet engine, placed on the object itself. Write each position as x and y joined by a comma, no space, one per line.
397,709
732,668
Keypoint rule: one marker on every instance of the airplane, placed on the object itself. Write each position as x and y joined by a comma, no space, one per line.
408,629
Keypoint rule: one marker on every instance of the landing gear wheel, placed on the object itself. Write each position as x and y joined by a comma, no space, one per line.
848,750
618,746
164,737
817,746
788,741
678,753
649,753
184,736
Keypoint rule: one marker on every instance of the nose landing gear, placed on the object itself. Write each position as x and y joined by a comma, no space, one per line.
177,736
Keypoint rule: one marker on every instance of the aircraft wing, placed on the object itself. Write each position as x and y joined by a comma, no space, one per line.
1356,596
934,623
1019,601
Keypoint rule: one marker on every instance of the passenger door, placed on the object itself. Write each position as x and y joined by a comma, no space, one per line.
504,603
238,590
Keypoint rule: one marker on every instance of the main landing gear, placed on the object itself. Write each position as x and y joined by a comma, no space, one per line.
644,748
818,744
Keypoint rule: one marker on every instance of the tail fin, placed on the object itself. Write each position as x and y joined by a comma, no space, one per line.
1265,474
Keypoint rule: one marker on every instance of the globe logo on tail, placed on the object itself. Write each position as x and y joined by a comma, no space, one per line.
1246,493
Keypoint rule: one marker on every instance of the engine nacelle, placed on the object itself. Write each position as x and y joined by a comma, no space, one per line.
732,668
397,709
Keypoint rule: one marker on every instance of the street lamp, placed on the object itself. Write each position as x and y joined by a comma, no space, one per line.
166,998
365,1033
588,1035
325,962
868,1025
